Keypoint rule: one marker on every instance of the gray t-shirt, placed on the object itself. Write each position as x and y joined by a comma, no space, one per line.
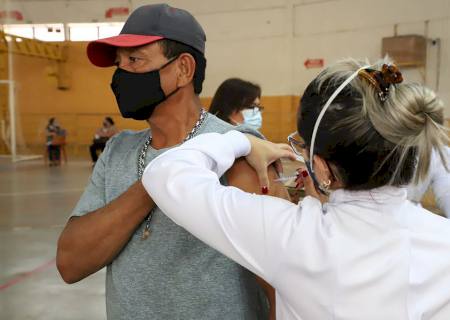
171,275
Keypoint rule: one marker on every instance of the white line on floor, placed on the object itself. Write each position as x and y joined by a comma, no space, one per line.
21,228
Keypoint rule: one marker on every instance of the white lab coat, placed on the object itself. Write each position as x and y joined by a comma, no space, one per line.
438,179
364,255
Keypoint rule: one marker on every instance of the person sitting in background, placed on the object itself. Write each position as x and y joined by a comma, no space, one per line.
438,179
237,101
55,136
102,135
355,248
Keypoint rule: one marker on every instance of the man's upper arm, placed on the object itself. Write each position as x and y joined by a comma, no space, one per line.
94,196
242,176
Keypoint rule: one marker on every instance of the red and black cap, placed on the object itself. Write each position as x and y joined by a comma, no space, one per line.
145,25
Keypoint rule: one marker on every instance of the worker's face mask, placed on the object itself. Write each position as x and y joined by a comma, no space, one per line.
252,117
138,94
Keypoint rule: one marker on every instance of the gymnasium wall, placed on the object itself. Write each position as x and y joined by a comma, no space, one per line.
264,41
81,109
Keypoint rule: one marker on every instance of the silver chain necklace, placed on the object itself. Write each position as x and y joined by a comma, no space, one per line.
141,164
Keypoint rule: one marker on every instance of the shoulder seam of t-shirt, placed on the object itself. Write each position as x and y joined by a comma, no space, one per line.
247,129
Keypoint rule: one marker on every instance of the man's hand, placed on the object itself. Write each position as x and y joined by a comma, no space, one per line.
90,242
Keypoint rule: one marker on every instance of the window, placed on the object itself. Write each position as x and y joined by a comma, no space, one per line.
21,30
83,31
49,32
57,31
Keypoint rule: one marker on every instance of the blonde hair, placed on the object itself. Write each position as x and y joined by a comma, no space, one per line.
411,117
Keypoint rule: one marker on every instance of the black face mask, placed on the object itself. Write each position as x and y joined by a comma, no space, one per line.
138,94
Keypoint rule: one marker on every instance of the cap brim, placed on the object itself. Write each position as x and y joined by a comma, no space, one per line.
102,52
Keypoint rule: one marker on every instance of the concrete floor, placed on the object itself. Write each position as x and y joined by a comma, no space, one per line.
35,202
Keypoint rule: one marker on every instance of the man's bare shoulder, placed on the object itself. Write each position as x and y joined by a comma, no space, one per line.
242,176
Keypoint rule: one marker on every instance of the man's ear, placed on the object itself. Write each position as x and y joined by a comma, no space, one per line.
186,69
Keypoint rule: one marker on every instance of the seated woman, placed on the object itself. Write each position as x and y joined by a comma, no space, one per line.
237,101
55,139
363,251
102,136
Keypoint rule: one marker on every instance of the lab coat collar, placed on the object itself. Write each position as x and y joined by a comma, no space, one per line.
382,195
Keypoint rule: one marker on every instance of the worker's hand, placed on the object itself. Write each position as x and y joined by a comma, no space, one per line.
263,154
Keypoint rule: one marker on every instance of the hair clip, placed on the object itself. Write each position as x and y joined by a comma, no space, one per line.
382,80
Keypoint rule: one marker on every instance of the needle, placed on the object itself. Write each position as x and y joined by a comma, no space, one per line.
285,178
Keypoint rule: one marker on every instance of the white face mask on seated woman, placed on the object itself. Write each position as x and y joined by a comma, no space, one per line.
253,117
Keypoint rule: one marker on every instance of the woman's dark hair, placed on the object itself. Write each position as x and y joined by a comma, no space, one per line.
51,121
233,95
172,49
110,120
370,143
